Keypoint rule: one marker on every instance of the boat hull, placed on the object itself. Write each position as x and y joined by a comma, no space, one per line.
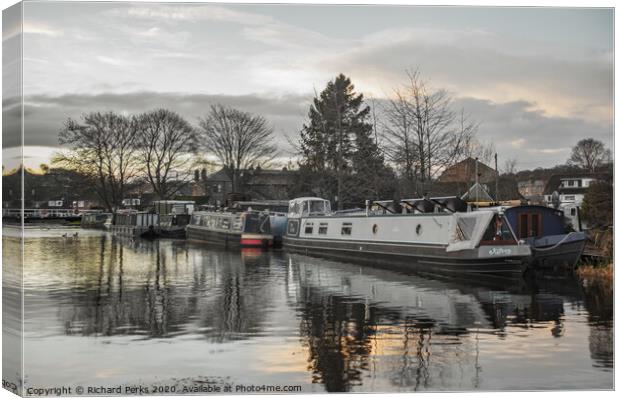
229,239
172,233
557,252
505,260
100,226
129,231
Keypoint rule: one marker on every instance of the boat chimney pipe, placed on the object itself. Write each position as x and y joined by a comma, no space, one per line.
476,170
496,180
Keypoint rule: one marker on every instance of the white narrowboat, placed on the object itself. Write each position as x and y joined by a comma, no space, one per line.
423,234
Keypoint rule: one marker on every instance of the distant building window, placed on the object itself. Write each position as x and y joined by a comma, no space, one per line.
569,197
131,202
218,188
346,229
573,211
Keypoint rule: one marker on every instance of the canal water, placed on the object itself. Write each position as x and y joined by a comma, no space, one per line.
102,311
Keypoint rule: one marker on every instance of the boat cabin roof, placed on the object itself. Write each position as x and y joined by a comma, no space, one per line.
175,202
309,205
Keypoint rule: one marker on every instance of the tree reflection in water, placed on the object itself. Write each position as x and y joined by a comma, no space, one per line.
354,326
224,297
338,336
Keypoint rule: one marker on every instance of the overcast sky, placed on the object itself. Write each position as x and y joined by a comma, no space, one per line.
536,79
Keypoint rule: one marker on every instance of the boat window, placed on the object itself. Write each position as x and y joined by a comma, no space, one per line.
497,230
309,228
465,228
317,206
292,227
346,229
251,223
238,223
323,229
265,225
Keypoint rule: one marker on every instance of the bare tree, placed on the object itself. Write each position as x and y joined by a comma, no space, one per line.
423,133
166,142
399,136
473,148
238,139
510,166
589,154
103,148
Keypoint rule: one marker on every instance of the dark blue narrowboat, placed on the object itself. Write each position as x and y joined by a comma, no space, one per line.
555,246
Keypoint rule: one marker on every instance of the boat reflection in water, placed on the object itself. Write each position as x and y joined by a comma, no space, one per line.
173,311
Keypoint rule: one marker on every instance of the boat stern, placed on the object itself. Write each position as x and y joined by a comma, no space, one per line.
256,241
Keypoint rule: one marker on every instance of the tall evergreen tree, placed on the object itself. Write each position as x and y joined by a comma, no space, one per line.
337,129
372,178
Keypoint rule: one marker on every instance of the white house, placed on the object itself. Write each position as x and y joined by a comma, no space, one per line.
571,190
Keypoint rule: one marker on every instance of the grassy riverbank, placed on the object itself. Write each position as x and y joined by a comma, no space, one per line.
596,273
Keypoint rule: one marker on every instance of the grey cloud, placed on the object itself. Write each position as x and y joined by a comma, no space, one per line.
518,131
530,136
488,64
45,115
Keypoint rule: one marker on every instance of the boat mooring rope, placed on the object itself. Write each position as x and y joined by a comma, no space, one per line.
554,246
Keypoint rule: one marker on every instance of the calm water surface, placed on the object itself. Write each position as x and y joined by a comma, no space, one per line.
103,311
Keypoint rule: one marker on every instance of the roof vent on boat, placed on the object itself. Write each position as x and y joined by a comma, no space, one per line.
453,204
421,205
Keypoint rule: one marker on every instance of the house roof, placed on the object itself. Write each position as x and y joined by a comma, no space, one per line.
469,166
220,175
255,176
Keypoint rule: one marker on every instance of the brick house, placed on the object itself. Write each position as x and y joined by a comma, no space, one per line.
465,171
258,184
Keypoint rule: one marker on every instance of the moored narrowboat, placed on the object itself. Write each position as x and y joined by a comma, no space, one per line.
174,215
231,229
422,234
277,210
555,246
95,220
134,224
